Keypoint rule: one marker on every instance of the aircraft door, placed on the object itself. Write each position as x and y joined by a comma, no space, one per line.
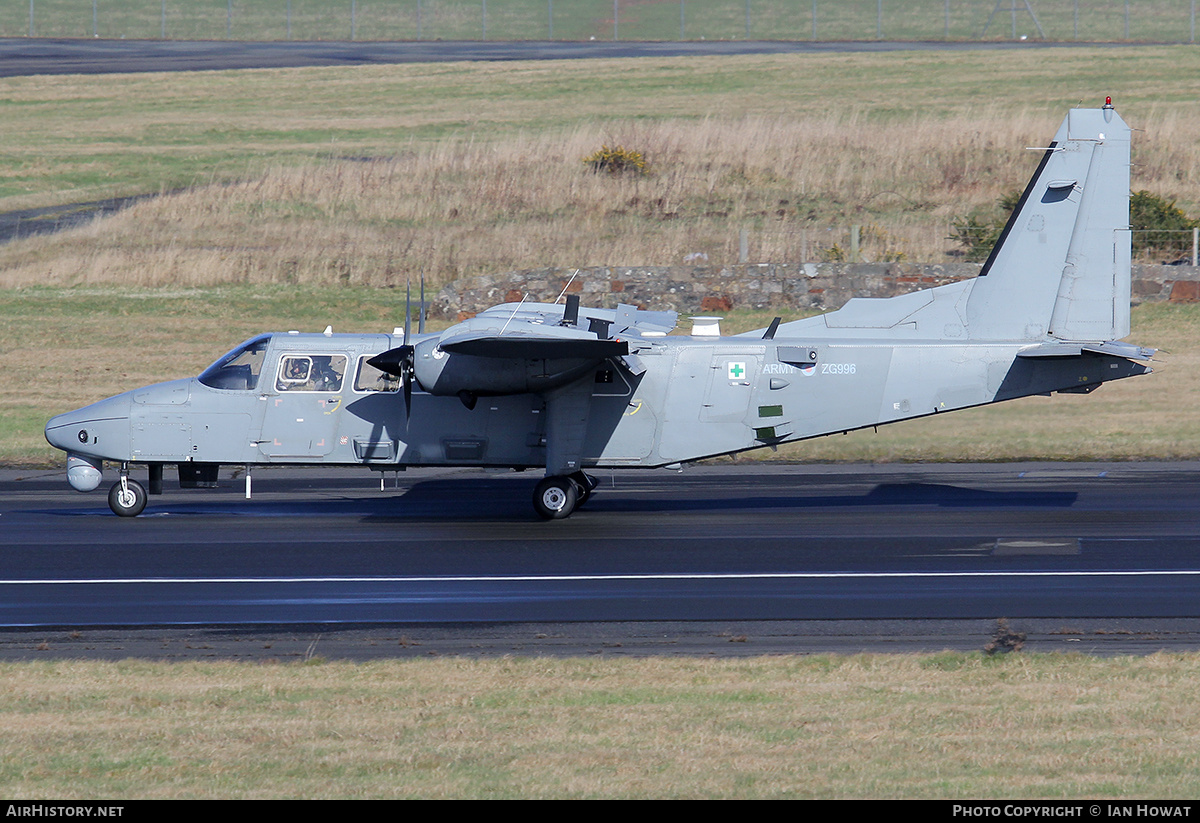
707,400
732,375
302,405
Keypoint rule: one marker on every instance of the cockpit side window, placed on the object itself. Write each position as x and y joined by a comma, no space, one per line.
311,372
370,379
238,369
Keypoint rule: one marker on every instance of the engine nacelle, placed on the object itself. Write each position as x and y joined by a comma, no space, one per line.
442,373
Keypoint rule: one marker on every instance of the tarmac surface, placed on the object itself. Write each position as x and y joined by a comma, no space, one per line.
22,56
723,560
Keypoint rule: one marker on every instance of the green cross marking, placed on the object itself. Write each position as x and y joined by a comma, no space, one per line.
736,370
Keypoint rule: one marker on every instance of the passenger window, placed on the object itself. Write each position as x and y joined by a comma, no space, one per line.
311,372
371,379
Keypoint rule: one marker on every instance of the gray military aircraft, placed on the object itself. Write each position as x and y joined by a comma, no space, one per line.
568,388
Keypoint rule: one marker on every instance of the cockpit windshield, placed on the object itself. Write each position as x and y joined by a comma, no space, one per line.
239,368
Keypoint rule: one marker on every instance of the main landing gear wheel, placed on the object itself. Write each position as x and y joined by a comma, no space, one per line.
556,497
127,498
585,484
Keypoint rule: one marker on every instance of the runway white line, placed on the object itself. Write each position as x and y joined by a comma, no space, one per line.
598,577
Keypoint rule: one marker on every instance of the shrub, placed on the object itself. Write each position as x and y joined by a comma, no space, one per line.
1160,228
834,254
617,160
977,233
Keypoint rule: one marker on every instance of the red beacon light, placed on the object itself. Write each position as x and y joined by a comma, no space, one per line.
1108,112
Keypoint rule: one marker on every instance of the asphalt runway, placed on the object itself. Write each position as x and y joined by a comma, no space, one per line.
1102,558
30,56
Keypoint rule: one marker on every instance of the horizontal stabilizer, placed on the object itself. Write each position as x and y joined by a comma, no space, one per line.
1117,349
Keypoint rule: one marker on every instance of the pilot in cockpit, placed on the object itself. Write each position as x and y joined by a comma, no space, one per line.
324,376
296,368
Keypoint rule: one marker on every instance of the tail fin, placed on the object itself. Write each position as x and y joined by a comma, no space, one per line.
1061,266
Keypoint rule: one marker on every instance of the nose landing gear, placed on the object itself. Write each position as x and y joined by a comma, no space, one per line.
127,497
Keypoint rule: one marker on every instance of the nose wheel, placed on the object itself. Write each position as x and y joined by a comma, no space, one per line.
127,497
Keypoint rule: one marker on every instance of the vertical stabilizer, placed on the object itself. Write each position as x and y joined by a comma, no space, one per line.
1061,266
1093,293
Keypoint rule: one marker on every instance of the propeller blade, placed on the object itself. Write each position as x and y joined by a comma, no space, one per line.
399,362
407,306
421,316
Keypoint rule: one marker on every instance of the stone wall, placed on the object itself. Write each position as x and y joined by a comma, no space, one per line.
771,287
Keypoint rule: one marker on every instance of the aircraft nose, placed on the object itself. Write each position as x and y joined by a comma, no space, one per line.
68,431
98,430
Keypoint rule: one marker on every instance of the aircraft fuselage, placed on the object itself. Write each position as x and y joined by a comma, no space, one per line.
696,398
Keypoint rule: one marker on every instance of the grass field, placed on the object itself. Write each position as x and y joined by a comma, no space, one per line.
1064,20
948,725
361,176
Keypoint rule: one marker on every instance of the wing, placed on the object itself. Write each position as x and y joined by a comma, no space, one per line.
520,348
546,343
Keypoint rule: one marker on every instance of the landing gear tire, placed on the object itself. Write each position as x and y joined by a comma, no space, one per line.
127,499
585,484
556,497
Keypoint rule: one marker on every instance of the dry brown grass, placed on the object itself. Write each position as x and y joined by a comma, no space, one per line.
927,726
457,206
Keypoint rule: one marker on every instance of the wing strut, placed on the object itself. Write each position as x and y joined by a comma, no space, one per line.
567,410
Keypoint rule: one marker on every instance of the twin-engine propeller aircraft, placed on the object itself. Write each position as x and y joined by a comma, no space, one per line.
568,388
